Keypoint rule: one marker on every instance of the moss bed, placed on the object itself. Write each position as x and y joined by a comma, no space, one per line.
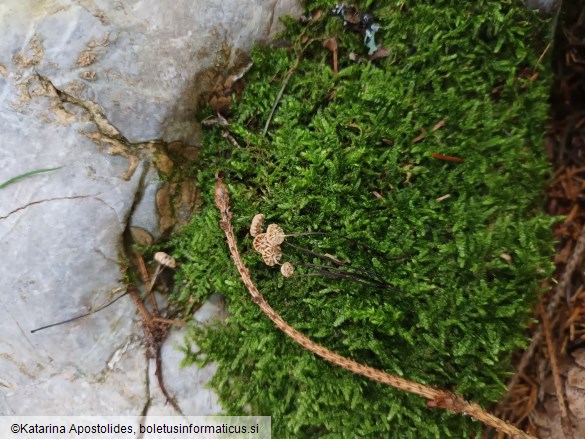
351,155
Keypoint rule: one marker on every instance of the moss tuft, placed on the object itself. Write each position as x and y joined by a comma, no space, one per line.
352,155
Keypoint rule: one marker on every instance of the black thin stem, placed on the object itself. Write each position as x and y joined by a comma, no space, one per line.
339,263
317,255
81,316
333,272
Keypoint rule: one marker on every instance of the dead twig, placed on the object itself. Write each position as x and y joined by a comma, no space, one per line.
155,327
148,281
540,58
567,430
436,397
155,332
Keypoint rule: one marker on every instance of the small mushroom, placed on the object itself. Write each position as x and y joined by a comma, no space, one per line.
261,243
275,234
257,224
271,256
164,259
287,269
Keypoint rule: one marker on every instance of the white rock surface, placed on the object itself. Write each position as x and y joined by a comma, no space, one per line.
94,87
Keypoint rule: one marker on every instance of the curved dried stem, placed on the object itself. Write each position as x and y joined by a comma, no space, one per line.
436,397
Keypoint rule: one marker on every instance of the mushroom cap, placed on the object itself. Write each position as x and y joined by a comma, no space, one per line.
261,243
287,269
275,234
257,224
271,256
164,259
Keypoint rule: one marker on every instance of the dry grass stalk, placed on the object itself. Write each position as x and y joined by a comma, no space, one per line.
436,397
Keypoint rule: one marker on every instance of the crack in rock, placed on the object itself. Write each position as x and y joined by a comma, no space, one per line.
106,133
96,112
32,203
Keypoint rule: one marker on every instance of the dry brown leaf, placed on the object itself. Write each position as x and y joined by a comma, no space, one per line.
447,158
563,256
380,53
352,15
576,401
576,377
220,103
579,356
330,44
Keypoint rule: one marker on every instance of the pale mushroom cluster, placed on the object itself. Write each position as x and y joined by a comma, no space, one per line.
268,244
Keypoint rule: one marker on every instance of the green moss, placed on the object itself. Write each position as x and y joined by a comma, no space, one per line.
339,157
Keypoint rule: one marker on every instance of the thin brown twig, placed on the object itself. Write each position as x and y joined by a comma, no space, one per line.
147,280
567,430
436,397
540,58
144,276
156,332
150,290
